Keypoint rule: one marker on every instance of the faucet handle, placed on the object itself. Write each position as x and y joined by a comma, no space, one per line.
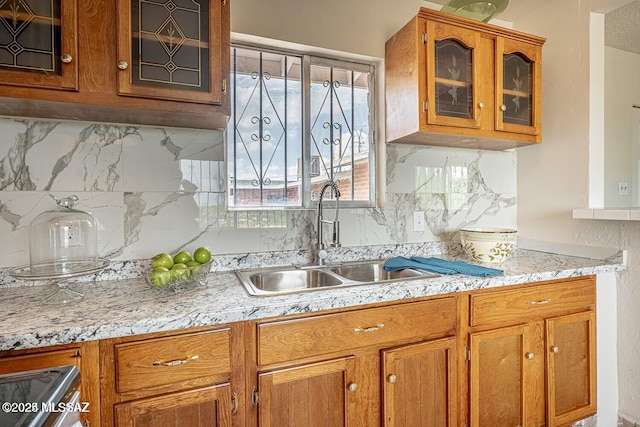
322,254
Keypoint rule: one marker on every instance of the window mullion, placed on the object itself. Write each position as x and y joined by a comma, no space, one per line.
306,140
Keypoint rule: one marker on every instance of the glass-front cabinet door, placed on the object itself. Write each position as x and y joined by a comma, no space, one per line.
452,70
518,75
38,43
171,49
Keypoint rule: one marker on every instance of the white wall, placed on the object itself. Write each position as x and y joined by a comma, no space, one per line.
622,90
553,178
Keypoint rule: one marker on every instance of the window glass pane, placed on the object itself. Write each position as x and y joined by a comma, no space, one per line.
340,130
265,132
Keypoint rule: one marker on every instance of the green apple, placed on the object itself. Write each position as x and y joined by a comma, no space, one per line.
162,260
194,267
179,271
160,276
202,255
182,257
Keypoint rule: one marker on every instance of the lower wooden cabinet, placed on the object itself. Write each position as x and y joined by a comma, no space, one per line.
312,395
419,384
534,362
201,407
382,366
179,379
516,356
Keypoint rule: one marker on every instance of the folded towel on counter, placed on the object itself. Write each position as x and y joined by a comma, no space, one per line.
401,263
459,266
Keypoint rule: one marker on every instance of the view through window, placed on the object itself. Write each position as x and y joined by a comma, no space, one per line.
298,121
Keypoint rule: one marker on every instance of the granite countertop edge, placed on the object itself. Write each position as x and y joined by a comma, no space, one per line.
117,308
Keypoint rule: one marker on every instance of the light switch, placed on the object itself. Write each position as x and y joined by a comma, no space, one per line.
623,188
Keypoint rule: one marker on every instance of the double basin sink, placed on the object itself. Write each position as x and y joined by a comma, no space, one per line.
285,280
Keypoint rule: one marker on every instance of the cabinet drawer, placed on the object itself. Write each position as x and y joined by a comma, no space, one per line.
288,340
160,361
518,305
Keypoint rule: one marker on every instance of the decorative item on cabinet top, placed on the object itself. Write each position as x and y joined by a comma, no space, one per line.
453,81
478,10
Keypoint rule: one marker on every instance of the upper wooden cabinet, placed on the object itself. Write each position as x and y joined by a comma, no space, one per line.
163,63
452,81
38,43
171,50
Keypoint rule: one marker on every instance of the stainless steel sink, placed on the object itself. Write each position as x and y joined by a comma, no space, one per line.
374,272
285,280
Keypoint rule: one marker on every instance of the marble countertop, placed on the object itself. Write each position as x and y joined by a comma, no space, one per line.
113,308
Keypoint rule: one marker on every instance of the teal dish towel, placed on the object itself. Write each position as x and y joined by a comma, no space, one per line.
402,263
458,266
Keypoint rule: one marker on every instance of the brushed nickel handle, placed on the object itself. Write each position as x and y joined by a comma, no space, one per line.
529,356
503,107
392,379
370,328
541,302
66,58
481,105
175,362
352,387
555,349
123,65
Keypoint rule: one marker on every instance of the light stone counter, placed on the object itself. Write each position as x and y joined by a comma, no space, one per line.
113,308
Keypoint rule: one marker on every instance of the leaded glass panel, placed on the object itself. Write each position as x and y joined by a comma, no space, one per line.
170,44
30,36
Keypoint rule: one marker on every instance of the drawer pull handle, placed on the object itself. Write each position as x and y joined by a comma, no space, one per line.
175,362
544,301
369,329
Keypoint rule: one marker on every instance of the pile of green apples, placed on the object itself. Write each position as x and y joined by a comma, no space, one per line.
182,266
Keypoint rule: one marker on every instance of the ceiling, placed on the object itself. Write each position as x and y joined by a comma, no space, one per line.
622,29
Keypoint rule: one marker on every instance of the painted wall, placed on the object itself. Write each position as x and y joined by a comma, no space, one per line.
553,178
622,91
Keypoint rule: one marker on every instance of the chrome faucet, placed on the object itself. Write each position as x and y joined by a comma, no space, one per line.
335,235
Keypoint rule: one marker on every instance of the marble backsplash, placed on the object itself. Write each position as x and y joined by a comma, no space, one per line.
163,189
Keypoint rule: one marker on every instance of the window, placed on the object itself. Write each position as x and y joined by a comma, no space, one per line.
298,121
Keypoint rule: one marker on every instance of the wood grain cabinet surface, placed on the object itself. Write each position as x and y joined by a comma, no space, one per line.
124,61
451,81
532,355
171,379
364,367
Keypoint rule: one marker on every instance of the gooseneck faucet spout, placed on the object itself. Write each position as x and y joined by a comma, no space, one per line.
335,235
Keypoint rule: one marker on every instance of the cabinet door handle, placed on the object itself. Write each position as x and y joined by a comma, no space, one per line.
175,362
392,379
352,387
66,58
369,329
503,107
544,301
481,105
529,356
123,65
555,349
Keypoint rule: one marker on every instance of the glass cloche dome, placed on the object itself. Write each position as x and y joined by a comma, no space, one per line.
63,241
